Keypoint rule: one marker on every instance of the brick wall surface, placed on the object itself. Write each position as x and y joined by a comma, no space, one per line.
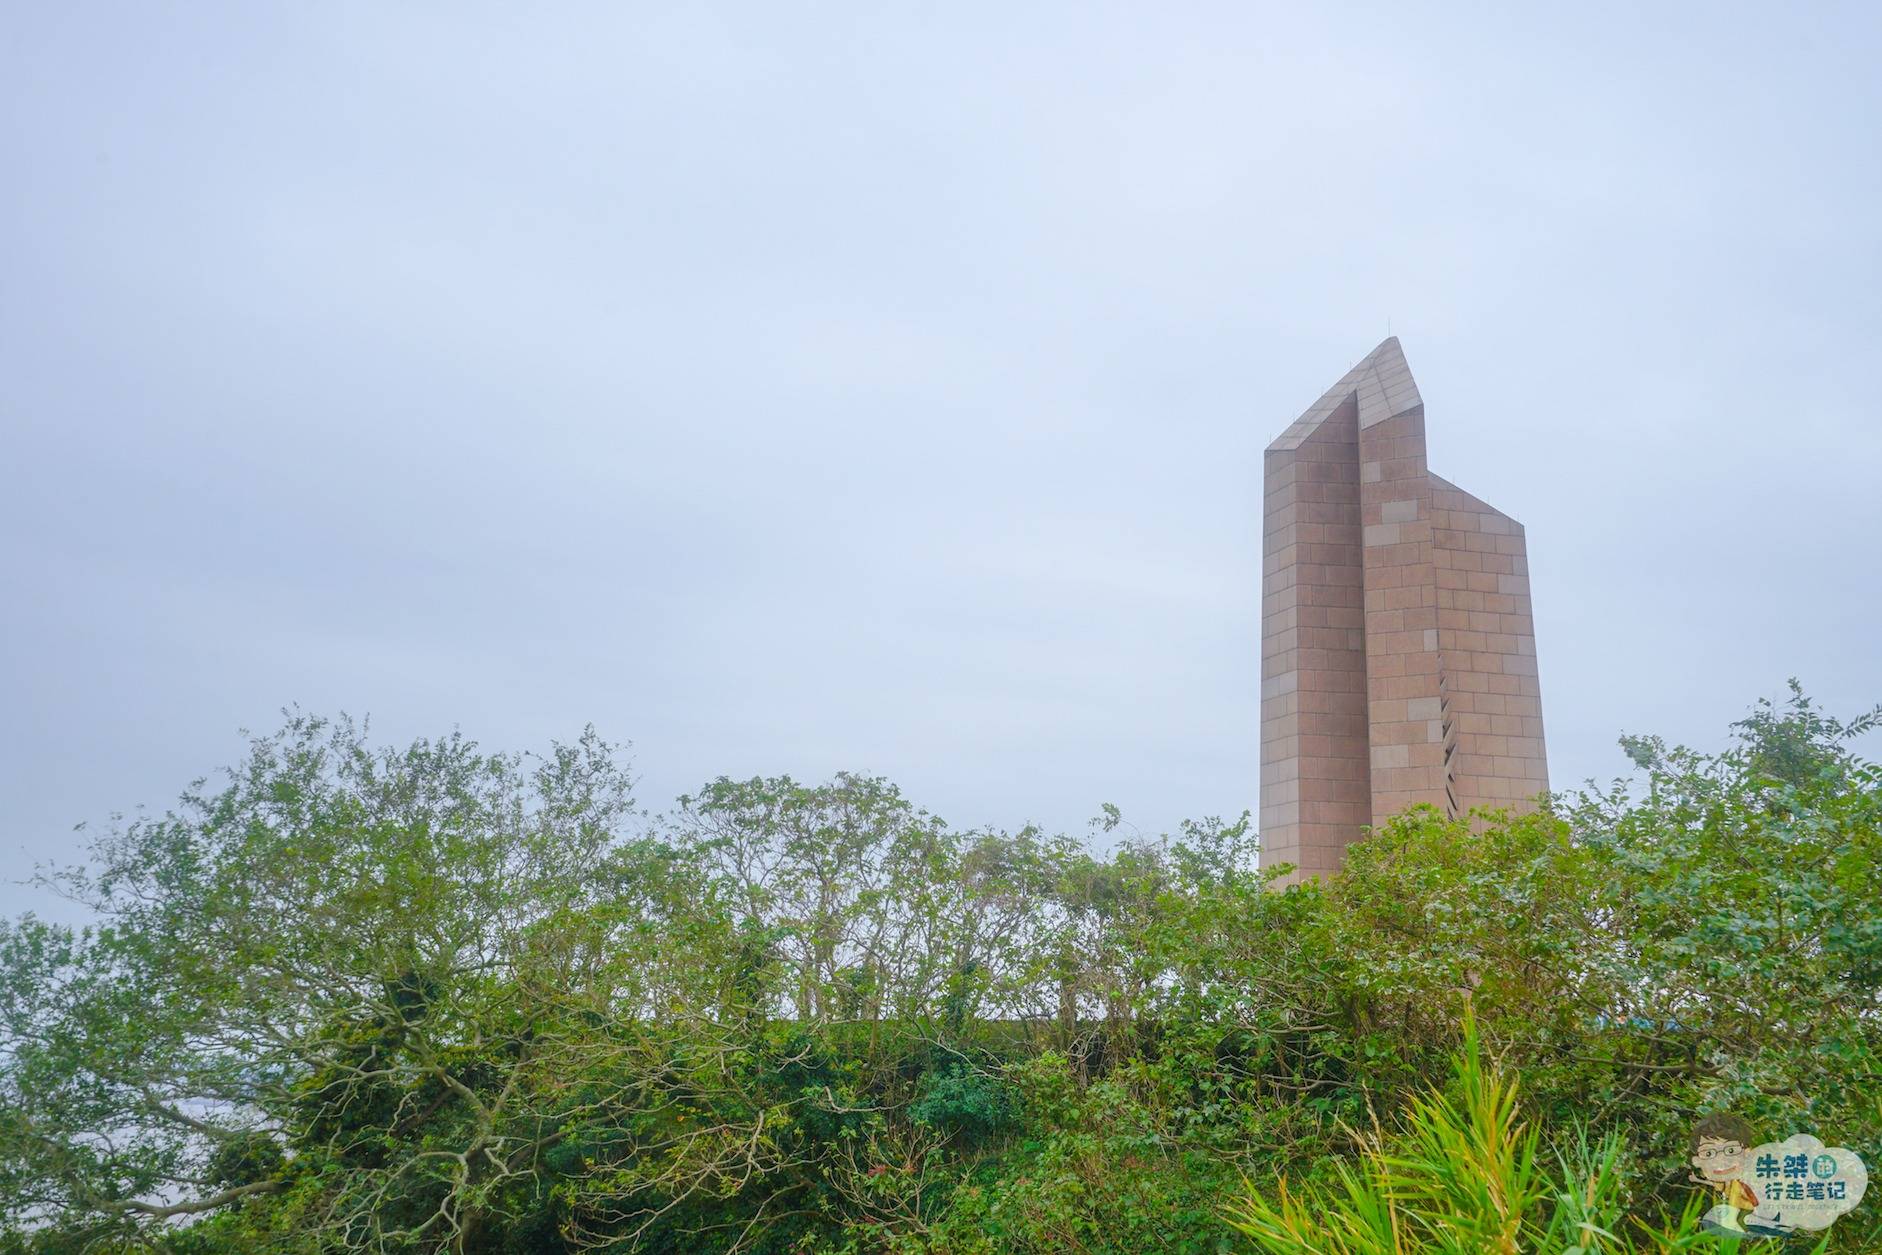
1313,649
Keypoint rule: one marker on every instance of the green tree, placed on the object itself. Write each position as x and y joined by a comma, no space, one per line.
434,999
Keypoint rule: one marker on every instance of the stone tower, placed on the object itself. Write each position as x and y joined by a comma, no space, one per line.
1398,652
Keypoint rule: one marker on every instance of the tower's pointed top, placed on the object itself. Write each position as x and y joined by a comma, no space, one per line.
1383,384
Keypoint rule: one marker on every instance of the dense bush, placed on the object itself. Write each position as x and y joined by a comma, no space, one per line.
435,999
1464,1175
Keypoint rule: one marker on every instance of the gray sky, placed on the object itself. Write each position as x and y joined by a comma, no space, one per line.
789,389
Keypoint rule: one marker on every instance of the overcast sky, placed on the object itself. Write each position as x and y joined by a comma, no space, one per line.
793,389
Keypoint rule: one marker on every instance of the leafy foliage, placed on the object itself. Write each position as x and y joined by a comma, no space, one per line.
435,999
1464,1177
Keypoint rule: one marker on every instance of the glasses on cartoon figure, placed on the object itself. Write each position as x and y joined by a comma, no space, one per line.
1719,1152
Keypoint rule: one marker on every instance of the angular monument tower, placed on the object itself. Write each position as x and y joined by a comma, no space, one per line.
1398,652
